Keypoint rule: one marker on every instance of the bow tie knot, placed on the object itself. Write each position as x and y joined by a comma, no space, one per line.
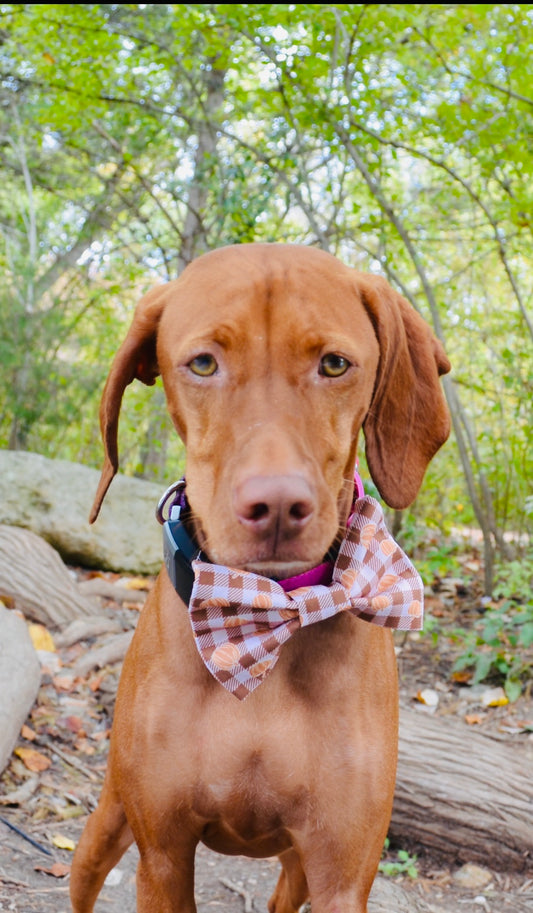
241,620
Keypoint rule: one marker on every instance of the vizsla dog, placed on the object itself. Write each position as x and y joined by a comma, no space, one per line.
283,740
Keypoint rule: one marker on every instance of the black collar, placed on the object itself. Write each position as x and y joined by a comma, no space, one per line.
179,552
179,548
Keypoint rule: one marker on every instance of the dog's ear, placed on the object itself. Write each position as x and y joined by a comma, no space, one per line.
135,359
408,419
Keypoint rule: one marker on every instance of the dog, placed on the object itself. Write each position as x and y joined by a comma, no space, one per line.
273,357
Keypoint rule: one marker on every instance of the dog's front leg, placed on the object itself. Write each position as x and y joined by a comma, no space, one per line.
340,878
165,880
291,890
105,839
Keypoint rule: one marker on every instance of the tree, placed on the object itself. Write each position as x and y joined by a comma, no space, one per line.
396,136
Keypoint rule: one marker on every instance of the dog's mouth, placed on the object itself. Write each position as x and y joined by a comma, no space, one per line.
275,567
288,561
278,570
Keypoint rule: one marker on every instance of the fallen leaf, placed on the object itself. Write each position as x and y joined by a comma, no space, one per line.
41,638
133,606
95,682
68,812
22,794
462,677
33,759
428,696
73,724
28,733
63,682
63,843
434,606
525,725
473,718
58,869
82,744
494,697
137,583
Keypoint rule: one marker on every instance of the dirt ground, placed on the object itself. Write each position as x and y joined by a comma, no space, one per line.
54,778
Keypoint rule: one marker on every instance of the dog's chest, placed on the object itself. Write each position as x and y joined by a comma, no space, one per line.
252,784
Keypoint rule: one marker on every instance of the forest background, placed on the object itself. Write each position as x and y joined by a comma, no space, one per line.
133,137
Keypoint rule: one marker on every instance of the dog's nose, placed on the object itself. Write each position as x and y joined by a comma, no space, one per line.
274,504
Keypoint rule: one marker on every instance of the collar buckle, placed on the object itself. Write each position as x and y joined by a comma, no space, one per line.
179,502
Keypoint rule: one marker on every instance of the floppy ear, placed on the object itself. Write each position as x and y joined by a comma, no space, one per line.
408,419
135,359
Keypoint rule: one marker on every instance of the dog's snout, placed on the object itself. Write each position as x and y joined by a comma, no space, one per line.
274,504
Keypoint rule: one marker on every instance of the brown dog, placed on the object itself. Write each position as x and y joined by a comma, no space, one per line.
273,357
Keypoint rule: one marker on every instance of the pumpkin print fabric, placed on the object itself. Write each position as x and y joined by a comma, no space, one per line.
241,620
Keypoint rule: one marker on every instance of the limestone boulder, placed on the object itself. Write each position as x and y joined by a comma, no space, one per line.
20,679
52,498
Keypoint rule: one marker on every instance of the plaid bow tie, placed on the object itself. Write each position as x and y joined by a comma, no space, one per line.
240,620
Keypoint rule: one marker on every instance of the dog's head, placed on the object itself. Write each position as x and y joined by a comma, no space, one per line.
273,358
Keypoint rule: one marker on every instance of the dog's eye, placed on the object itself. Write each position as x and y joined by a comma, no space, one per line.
203,365
332,365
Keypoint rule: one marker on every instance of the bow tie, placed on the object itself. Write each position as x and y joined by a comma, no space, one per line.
241,620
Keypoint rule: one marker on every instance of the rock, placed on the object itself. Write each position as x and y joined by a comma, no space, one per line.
52,498
20,679
472,877
388,896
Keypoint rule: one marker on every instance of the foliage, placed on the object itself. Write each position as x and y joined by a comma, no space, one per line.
429,543
500,647
135,136
402,863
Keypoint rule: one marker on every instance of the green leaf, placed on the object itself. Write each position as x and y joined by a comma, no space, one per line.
513,689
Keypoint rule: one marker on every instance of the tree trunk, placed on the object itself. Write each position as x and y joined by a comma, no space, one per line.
34,579
462,795
193,233
388,896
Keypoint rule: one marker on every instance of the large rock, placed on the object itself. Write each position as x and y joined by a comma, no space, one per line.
52,498
20,679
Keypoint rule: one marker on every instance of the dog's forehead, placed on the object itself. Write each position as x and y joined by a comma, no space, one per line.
252,264
250,281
